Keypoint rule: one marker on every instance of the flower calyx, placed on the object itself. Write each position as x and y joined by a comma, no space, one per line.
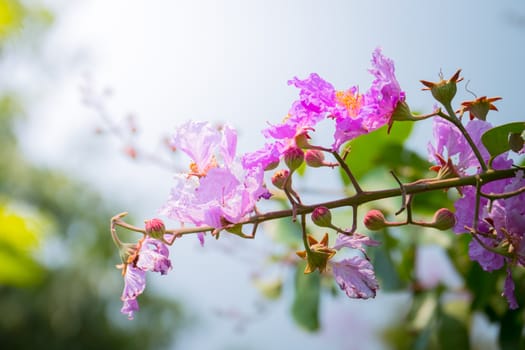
478,108
446,169
317,255
444,90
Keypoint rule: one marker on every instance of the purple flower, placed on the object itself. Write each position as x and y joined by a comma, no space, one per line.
385,93
225,190
198,140
152,255
451,143
134,285
370,111
355,241
508,290
129,307
488,260
354,114
134,282
316,94
356,277
265,157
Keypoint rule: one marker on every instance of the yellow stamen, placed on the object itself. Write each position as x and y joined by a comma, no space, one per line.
351,101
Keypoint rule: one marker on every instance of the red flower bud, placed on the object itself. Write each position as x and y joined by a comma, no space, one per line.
155,228
322,217
374,220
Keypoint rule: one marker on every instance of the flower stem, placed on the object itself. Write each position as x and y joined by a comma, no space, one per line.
451,117
357,199
347,171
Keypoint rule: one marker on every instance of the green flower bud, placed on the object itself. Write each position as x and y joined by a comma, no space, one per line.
293,158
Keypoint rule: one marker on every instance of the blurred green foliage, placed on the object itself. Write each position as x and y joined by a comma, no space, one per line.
58,285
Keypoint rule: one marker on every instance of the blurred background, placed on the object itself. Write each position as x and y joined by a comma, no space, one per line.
89,92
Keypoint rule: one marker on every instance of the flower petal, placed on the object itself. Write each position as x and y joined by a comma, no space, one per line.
356,277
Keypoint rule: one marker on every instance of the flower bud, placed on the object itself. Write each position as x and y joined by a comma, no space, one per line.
314,158
279,178
444,90
322,217
293,157
443,219
155,228
375,220
516,142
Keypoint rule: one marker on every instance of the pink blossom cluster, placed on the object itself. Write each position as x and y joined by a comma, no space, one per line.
499,239
221,188
352,112
218,189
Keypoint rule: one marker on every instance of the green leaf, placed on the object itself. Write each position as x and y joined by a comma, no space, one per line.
384,265
452,326
367,150
483,286
305,308
511,330
496,140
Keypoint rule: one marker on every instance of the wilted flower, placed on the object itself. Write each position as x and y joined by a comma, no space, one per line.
151,255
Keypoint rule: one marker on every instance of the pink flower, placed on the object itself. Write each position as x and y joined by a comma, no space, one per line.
153,256
356,277
354,113
224,190
198,140
365,113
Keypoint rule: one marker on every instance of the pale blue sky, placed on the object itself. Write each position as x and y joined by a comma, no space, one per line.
170,61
